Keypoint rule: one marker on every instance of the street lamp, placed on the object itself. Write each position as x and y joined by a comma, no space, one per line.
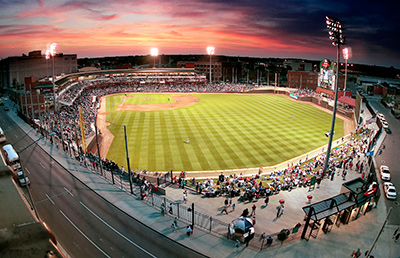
154,53
346,56
210,51
335,28
51,51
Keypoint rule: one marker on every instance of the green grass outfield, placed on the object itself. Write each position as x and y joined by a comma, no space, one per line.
226,131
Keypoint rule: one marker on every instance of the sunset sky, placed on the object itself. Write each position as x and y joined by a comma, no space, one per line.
258,28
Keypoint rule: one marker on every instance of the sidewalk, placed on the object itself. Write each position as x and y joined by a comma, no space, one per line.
340,242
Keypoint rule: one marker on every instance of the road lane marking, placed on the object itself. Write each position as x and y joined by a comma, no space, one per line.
16,136
48,197
68,191
27,170
80,231
124,237
42,165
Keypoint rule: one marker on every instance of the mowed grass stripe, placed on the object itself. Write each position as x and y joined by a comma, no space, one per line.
254,131
205,140
196,138
239,156
245,133
225,141
164,145
213,146
228,131
184,159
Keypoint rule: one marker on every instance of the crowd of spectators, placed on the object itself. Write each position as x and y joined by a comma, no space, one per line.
305,92
116,85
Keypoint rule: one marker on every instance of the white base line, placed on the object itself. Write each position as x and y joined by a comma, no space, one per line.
84,235
27,170
124,237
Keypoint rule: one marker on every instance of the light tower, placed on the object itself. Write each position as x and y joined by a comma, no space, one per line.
210,51
346,56
51,52
335,28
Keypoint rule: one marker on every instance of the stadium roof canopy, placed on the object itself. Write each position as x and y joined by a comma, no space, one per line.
347,101
126,72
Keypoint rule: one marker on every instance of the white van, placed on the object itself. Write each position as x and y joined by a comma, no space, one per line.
11,157
2,136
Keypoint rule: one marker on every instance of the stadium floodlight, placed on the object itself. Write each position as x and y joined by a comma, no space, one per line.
47,54
336,28
154,53
346,55
328,133
51,52
210,51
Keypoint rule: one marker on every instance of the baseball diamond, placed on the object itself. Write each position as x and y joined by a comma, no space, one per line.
226,131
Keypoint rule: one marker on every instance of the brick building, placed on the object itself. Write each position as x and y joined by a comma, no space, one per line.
13,70
203,67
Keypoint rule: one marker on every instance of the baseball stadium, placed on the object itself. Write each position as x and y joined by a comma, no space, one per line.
171,119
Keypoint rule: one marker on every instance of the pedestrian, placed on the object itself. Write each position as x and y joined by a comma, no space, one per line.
224,209
162,209
226,201
184,197
266,200
233,207
245,213
278,211
397,237
395,232
344,173
176,221
173,227
253,210
263,236
319,179
269,240
187,141
356,253
237,244
230,201
189,230
254,220
170,208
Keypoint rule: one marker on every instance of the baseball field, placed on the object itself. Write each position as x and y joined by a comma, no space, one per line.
225,131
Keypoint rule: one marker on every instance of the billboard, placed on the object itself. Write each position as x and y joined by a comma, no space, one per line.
326,76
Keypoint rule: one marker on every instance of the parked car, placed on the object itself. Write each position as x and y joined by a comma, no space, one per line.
380,116
22,180
390,190
385,124
385,172
387,130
